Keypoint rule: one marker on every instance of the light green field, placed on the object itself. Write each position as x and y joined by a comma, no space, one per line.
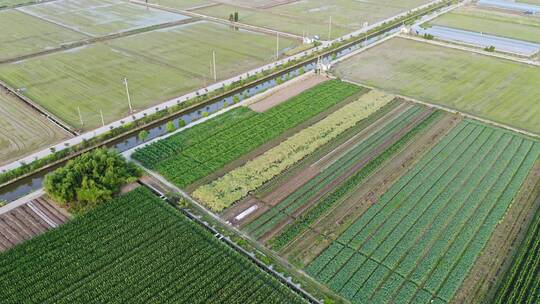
22,130
182,4
8,3
500,90
26,34
100,17
313,16
500,23
159,65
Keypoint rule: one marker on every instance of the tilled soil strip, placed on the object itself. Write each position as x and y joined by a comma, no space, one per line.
497,256
290,186
297,179
326,229
341,179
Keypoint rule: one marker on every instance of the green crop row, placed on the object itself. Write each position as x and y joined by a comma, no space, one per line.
134,249
301,195
322,207
432,224
237,183
520,284
205,148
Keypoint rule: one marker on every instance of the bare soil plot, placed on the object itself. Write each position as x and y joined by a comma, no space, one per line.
496,89
22,130
23,34
282,95
99,17
29,220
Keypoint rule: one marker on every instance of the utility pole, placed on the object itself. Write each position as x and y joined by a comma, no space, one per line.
80,116
102,120
128,97
330,29
277,45
214,64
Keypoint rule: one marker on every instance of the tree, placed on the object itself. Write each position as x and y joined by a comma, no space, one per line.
170,127
236,17
181,123
90,179
231,18
143,135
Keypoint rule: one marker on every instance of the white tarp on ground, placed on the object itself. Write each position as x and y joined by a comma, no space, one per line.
482,40
514,6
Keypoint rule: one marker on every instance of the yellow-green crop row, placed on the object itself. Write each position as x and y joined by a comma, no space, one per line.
236,184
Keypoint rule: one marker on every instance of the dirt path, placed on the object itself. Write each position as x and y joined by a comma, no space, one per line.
295,87
324,231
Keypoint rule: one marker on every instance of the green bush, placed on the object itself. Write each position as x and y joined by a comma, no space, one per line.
90,179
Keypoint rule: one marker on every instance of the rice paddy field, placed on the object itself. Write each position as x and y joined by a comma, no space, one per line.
159,65
491,88
99,17
312,17
184,4
494,22
23,131
9,3
97,257
27,34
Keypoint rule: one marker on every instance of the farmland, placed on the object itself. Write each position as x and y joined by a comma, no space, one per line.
239,182
311,17
494,22
180,55
99,17
22,130
26,35
421,238
338,167
491,88
97,257
521,282
197,152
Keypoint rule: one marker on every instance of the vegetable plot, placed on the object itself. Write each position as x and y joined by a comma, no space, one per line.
419,241
201,150
235,185
134,249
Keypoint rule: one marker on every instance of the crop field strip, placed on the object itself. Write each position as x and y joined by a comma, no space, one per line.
26,34
22,130
94,79
399,157
183,261
494,22
521,282
96,18
311,17
238,183
313,188
197,152
417,261
499,90
328,203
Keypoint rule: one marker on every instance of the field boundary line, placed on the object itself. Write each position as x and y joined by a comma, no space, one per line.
92,39
470,48
260,29
453,110
250,255
29,3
